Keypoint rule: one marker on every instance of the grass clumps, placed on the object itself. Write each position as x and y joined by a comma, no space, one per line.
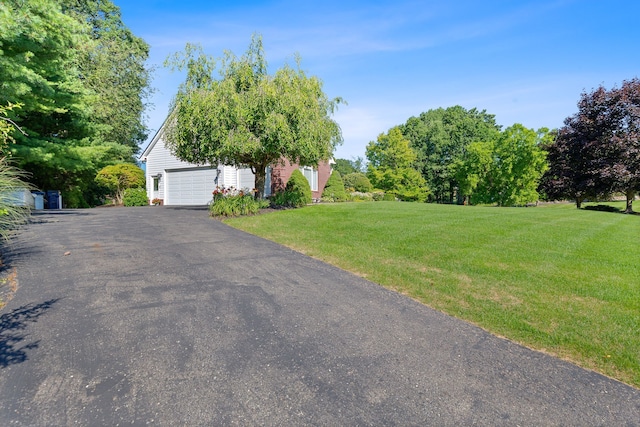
13,213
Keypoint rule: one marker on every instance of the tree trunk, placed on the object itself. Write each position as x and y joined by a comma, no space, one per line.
260,173
630,195
578,202
450,192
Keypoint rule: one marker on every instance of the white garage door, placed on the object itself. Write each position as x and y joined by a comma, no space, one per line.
190,186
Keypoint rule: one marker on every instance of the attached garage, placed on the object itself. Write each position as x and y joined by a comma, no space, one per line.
193,186
171,181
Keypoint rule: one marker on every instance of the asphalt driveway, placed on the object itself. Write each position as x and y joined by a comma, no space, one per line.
163,316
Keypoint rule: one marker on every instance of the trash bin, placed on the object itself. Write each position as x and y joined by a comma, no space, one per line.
53,199
38,197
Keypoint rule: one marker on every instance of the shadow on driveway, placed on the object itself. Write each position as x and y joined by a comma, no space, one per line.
12,326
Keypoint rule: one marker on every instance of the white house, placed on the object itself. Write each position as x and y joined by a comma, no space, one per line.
176,182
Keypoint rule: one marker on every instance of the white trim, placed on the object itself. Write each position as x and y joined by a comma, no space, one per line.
154,140
312,176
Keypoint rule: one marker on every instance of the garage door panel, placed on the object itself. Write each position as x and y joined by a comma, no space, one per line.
190,187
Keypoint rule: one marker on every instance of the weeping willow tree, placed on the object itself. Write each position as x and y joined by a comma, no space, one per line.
246,117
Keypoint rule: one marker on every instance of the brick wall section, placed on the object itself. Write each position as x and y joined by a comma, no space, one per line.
324,171
280,175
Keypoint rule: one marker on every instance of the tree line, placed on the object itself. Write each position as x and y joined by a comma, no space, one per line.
455,155
73,77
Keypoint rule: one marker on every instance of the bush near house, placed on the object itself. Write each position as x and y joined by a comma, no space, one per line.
296,194
117,178
334,189
135,197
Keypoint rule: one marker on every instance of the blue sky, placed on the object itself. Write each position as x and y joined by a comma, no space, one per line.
523,61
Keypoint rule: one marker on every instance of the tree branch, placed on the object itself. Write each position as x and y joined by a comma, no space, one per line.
15,124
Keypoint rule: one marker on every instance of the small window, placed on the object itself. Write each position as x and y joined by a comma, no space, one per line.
156,181
312,176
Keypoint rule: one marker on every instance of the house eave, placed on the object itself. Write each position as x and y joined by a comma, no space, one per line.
143,156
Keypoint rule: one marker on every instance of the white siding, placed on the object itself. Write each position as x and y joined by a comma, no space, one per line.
158,161
176,187
246,179
229,177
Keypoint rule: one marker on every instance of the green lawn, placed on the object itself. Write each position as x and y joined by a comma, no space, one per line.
554,278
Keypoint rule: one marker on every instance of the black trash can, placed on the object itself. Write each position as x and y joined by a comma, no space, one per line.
53,199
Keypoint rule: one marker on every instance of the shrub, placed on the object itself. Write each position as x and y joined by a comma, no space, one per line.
232,202
334,189
279,199
357,196
389,197
296,194
74,199
135,197
377,195
358,181
117,178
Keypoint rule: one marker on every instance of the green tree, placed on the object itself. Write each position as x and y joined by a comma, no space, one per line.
118,178
38,68
7,127
118,92
597,151
473,171
506,171
59,64
440,137
249,118
343,166
334,189
520,163
391,167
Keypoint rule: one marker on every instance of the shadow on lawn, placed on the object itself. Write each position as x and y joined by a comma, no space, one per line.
608,208
12,335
